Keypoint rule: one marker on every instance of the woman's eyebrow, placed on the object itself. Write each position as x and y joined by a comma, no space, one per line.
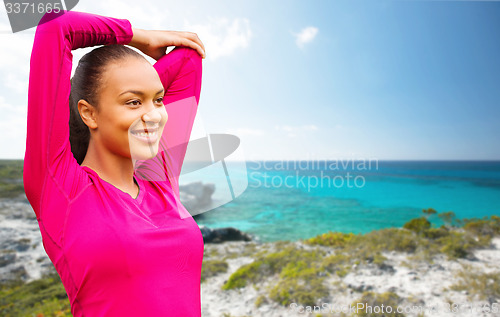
140,93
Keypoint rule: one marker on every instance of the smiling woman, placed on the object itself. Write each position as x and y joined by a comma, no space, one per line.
127,108
122,244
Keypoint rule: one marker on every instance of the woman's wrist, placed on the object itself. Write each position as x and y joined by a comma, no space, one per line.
154,43
139,39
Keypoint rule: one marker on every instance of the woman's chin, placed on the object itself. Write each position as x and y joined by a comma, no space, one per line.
143,148
144,152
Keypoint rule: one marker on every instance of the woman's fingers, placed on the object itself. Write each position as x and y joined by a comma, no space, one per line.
191,40
197,45
155,43
197,40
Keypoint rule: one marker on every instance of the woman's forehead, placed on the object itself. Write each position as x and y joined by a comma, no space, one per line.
131,74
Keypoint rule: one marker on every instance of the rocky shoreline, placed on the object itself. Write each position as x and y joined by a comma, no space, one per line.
422,287
392,278
22,256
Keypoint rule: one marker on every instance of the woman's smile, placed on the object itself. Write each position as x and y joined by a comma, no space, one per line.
149,135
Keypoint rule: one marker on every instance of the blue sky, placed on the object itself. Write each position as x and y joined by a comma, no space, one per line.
320,79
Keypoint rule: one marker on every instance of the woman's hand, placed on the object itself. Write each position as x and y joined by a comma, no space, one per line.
155,43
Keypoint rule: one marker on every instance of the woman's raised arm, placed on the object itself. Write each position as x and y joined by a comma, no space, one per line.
180,72
49,163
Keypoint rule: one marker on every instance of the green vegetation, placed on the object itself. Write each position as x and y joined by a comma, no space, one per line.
299,271
41,298
417,237
374,304
478,285
300,282
286,272
418,225
11,178
429,212
449,219
261,299
211,268
333,239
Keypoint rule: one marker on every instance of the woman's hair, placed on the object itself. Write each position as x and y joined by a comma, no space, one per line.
86,84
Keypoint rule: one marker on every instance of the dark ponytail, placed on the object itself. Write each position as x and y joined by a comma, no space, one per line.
86,84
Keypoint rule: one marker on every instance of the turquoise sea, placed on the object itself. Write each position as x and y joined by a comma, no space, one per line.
290,200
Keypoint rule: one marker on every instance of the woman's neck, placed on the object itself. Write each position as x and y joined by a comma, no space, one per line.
114,169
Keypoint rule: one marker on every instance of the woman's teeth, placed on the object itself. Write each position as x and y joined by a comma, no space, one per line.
145,134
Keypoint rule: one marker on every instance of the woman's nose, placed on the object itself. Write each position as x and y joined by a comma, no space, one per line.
152,116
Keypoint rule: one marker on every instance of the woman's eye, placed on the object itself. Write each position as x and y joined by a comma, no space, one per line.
159,100
134,103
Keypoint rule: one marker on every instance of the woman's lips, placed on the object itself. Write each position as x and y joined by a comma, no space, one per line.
146,135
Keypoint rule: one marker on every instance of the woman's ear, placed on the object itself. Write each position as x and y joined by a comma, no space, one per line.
88,113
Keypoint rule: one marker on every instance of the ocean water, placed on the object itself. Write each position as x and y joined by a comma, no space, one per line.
291,200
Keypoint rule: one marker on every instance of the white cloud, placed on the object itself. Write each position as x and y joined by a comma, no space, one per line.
222,36
305,36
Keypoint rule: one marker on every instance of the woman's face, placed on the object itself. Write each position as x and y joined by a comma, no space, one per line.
131,115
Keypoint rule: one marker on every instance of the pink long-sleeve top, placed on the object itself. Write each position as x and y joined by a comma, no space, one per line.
116,255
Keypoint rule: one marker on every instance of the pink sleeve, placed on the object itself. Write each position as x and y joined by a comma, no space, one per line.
48,151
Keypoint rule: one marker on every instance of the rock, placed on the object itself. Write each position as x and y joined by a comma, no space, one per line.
437,267
16,208
16,274
471,257
22,244
196,195
492,300
7,258
19,272
361,288
387,268
219,235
